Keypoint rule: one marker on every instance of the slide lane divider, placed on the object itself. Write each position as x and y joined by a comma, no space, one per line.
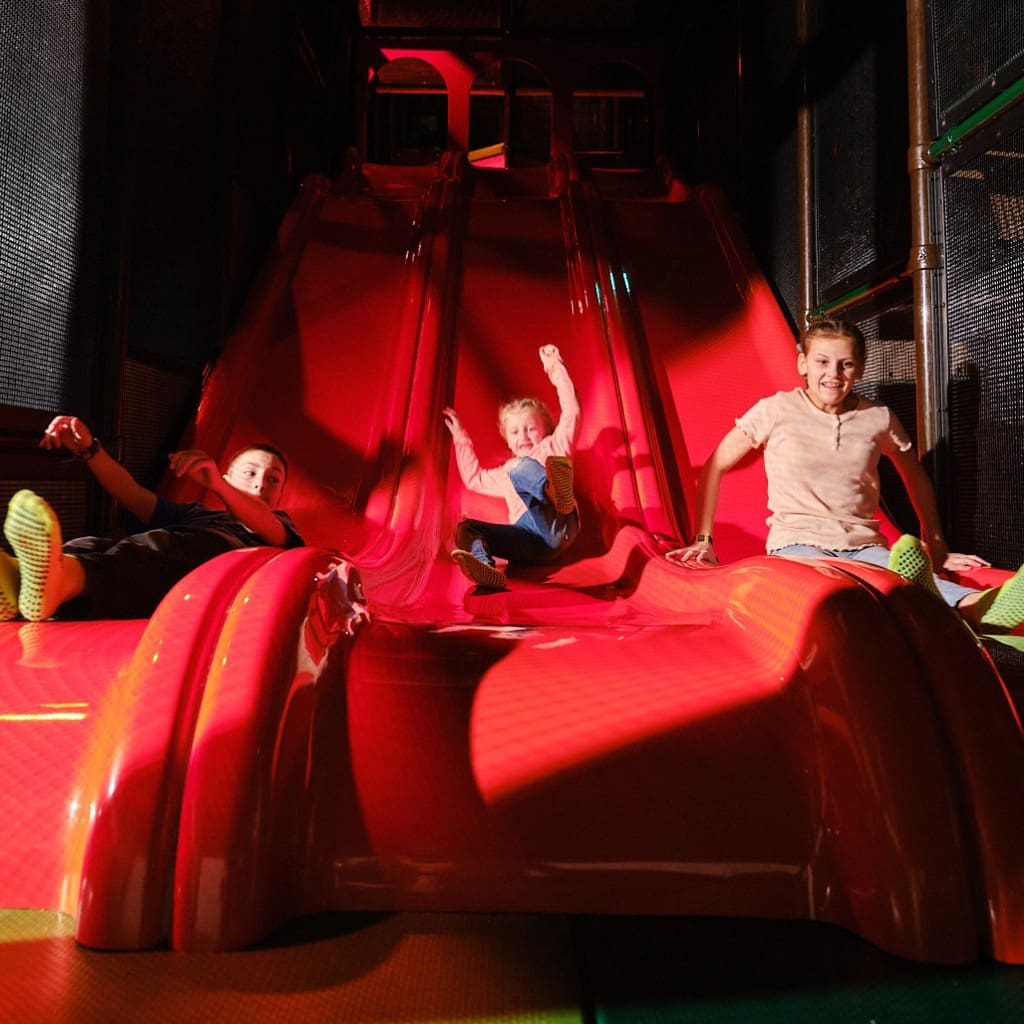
397,563
121,850
243,841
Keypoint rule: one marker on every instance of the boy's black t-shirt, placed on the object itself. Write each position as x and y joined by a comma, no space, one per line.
191,516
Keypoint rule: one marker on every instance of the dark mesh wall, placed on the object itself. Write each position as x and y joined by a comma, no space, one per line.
977,49
177,208
214,164
156,403
42,47
858,81
984,229
890,377
770,101
783,243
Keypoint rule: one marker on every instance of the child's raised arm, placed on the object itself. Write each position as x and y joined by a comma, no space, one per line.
549,356
570,418
72,434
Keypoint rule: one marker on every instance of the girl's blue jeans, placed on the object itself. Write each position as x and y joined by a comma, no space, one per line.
952,593
536,538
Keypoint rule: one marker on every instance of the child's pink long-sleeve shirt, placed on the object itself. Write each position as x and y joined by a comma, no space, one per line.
496,482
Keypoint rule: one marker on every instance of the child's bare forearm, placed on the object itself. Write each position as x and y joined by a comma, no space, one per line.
570,412
251,512
122,486
74,435
922,497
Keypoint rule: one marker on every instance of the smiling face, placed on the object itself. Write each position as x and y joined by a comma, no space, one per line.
259,473
831,366
523,429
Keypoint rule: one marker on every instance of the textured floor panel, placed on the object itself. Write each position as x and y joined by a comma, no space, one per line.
701,971
463,968
405,968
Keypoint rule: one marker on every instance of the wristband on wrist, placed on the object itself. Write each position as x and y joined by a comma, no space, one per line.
85,454
702,538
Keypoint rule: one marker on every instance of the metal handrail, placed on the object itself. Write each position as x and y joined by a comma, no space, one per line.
973,124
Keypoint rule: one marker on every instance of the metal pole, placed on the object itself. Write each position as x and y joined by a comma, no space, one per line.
805,168
924,253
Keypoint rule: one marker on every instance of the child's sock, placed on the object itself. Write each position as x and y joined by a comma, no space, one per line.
479,572
33,531
560,483
1007,610
8,587
909,558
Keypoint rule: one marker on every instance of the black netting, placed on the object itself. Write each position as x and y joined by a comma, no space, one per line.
155,403
890,378
984,230
977,49
784,242
771,98
42,47
859,85
177,211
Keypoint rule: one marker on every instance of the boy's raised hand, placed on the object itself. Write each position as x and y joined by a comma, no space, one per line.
451,421
549,355
196,465
66,432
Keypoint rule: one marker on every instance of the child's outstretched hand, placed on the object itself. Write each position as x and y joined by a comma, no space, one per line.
67,432
698,555
957,562
549,355
196,465
452,422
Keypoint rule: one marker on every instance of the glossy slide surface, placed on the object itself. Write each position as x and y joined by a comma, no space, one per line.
611,734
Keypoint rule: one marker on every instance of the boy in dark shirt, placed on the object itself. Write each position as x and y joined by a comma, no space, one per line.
98,577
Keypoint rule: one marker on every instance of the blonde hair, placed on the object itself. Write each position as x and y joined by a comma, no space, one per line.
524,405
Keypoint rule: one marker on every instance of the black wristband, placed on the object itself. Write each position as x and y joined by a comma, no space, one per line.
85,454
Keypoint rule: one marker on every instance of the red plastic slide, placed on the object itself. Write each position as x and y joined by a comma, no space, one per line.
613,734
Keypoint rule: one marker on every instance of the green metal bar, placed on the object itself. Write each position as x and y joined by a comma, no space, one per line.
995,106
851,298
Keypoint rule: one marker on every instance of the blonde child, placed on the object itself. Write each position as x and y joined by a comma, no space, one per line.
822,444
536,483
